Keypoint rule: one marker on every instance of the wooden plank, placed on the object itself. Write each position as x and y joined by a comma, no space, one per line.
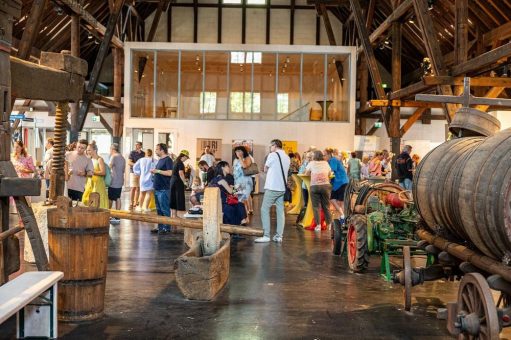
410,90
58,85
494,92
415,116
211,221
461,31
402,103
483,60
79,10
502,32
184,223
369,54
429,38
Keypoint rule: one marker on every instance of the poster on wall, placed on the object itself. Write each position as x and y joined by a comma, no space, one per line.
215,146
247,143
290,146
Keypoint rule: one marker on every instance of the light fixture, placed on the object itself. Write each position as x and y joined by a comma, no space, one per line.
89,36
381,46
197,58
96,42
333,60
287,59
387,42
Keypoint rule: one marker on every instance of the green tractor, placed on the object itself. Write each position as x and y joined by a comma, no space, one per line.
381,220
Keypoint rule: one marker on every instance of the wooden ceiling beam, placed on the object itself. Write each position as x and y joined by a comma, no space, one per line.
474,81
31,30
481,61
413,118
79,10
433,50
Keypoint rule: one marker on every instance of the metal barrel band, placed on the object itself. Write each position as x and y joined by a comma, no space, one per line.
88,282
79,231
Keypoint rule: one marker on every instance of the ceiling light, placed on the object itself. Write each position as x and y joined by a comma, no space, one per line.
287,59
89,36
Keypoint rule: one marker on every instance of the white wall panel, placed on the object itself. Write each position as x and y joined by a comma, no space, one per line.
256,26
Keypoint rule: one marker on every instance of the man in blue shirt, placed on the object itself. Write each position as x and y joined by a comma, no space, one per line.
161,183
339,182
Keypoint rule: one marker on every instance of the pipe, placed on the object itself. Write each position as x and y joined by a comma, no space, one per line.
225,228
463,253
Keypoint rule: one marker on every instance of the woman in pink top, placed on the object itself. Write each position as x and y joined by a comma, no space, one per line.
22,161
375,164
320,187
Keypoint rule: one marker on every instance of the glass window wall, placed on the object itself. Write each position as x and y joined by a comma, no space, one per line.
240,85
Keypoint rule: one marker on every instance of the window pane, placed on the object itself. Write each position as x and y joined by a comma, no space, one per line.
191,84
256,2
313,86
208,102
237,57
232,1
236,101
283,103
216,82
264,86
256,102
338,87
289,83
142,84
166,84
239,83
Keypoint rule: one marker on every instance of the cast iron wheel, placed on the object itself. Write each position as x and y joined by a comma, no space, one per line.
407,266
358,253
479,319
337,239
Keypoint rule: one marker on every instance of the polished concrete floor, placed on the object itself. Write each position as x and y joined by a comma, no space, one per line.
293,290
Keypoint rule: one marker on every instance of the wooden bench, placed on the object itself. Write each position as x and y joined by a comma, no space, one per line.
33,296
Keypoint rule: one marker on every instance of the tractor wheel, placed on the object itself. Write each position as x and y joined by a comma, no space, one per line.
358,253
337,239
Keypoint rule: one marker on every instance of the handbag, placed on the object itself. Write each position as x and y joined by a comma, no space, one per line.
108,176
251,170
232,199
287,193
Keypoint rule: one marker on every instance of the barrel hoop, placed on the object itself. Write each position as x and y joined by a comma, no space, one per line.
88,282
79,231
66,313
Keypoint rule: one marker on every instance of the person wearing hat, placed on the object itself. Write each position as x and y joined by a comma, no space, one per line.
177,184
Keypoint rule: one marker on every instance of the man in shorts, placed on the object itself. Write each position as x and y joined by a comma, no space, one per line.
339,182
79,167
117,167
134,156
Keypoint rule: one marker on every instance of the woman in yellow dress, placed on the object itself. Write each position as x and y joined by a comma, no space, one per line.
96,183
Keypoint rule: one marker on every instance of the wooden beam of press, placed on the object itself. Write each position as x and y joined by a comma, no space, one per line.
410,90
58,85
414,117
78,9
474,81
494,92
385,25
185,223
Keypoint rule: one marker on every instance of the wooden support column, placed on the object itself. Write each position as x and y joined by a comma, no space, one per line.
461,37
118,56
75,52
98,65
369,54
394,122
31,30
429,37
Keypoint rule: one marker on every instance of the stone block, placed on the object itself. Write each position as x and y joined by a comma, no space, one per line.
64,62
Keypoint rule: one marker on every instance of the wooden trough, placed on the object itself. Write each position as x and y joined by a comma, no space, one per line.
202,271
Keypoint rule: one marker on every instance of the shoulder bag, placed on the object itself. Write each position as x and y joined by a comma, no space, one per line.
287,194
251,170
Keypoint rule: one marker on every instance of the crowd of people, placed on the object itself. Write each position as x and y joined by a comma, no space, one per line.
159,179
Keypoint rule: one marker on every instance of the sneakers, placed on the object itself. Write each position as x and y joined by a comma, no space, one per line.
138,209
277,239
342,221
264,239
115,221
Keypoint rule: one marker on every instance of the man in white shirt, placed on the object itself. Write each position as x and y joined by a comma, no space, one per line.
48,155
276,168
208,156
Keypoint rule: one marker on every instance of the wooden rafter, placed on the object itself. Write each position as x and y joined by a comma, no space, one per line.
410,121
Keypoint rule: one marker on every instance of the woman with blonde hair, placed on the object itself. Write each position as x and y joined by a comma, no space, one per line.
96,183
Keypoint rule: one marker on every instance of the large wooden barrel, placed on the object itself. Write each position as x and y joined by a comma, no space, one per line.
78,240
462,190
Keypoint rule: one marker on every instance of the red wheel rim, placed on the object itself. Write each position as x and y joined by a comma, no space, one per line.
352,243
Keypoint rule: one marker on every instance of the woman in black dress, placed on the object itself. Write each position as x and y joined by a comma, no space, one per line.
177,185
232,213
